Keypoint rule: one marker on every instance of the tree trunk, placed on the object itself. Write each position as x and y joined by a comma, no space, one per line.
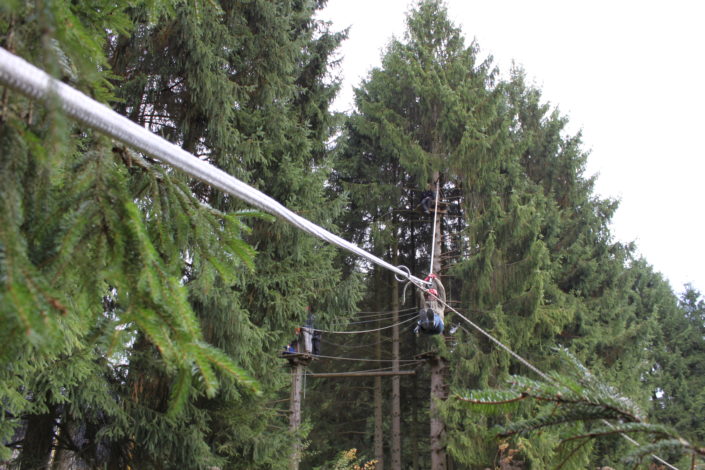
38,441
396,402
63,457
438,430
379,428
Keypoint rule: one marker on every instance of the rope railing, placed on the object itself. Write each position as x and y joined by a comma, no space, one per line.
357,332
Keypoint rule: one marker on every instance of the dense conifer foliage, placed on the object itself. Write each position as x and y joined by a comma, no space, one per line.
144,313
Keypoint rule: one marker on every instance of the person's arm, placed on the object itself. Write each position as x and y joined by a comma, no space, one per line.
441,290
422,300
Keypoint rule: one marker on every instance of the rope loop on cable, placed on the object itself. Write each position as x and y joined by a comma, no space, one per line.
406,270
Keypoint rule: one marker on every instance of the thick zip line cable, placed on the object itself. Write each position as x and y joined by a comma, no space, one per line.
25,78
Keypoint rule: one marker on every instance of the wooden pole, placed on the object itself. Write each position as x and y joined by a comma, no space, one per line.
297,374
298,363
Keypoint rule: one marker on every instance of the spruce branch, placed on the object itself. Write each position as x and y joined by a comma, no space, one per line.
576,398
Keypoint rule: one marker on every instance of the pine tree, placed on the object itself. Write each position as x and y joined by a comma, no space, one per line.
534,261
91,257
165,247
414,122
581,409
676,380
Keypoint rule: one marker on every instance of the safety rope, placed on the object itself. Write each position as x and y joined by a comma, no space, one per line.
386,318
356,346
381,312
433,238
379,369
25,78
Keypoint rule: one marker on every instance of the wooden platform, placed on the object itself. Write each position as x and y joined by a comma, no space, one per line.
426,356
442,209
297,358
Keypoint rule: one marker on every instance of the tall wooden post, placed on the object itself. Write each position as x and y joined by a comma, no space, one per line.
297,375
298,363
439,393
414,418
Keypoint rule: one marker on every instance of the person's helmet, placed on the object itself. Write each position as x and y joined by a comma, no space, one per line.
432,292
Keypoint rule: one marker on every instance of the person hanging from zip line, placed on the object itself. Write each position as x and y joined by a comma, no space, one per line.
432,301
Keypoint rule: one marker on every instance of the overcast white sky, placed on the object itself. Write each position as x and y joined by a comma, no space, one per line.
629,73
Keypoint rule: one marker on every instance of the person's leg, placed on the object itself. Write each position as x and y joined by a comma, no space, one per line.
426,204
420,323
426,320
434,323
308,346
439,324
